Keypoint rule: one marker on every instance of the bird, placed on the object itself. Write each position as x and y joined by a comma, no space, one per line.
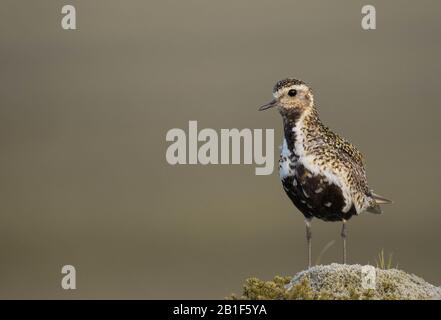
322,173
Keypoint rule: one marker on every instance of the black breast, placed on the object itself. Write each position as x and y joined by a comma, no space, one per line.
315,197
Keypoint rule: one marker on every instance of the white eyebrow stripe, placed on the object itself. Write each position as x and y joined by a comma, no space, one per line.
298,87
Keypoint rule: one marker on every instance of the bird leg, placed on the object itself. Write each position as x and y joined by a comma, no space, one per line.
308,240
344,234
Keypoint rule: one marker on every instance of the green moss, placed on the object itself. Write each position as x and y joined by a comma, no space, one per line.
276,289
387,288
338,282
255,289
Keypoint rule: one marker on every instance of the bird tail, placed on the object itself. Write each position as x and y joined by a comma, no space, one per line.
377,200
380,199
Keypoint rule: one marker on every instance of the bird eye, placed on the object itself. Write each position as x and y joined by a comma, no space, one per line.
292,92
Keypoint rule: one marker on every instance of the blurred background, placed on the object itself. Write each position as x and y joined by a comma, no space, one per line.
83,119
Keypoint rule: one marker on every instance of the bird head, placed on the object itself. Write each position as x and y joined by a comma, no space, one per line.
290,96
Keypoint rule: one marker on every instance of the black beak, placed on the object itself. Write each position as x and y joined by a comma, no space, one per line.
271,104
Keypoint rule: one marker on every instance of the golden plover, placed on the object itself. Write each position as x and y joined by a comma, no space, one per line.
322,173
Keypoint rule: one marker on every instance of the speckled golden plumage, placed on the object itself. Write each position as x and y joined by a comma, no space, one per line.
335,154
322,173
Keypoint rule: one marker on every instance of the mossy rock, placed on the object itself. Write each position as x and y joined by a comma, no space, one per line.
340,282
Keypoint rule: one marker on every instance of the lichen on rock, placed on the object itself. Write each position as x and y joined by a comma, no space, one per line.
340,282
